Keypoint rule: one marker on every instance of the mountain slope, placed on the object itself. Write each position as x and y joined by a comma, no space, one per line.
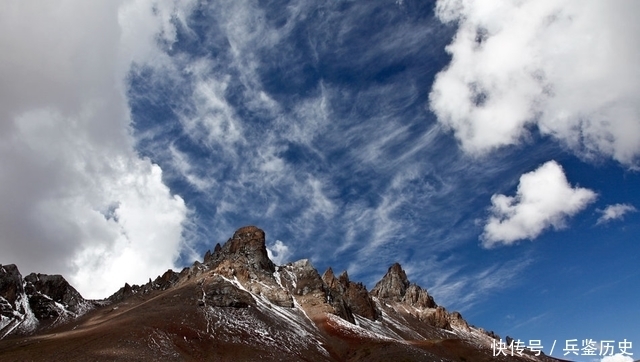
237,305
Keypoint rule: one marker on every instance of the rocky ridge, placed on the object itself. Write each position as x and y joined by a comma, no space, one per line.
36,301
238,300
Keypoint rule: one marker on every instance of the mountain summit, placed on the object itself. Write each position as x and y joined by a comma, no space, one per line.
237,305
395,287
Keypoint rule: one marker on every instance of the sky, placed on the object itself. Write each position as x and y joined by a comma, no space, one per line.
490,147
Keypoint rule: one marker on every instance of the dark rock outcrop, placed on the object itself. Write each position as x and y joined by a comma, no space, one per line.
51,296
10,283
355,295
15,313
217,292
36,301
336,296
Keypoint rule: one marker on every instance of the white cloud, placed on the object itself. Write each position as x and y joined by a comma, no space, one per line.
279,253
183,165
567,67
77,199
544,199
617,358
614,212
213,114
464,290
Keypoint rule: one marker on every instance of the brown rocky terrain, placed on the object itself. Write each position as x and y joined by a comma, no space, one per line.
237,306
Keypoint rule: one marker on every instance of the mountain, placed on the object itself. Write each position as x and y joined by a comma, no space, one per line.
237,305
37,301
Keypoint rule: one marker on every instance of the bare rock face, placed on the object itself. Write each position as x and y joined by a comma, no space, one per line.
456,320
418,297
395,287
331,281
355,295
244,257
36,301
51,296
335,296
310,291
163,282
10,284
168,279
437,318
127,291
15,313
217,292
301,278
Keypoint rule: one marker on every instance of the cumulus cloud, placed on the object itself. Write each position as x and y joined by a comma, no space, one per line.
614,212
77,198
568,68
617,358
279,253
544,199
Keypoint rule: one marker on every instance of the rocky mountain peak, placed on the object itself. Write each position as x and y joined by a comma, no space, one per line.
246,250
393,285
44,290
331,281
250,242
328,275
353,297
244,257
10,283
343,278
396,268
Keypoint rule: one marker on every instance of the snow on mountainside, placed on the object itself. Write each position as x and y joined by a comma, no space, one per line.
237,306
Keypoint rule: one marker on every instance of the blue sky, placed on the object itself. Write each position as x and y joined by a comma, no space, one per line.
489,147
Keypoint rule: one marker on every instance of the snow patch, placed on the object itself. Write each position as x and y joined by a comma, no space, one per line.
28,322
346,326
399,325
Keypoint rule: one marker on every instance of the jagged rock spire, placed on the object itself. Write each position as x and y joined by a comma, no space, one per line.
395,287
249,241
245,257
246,250
355,295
